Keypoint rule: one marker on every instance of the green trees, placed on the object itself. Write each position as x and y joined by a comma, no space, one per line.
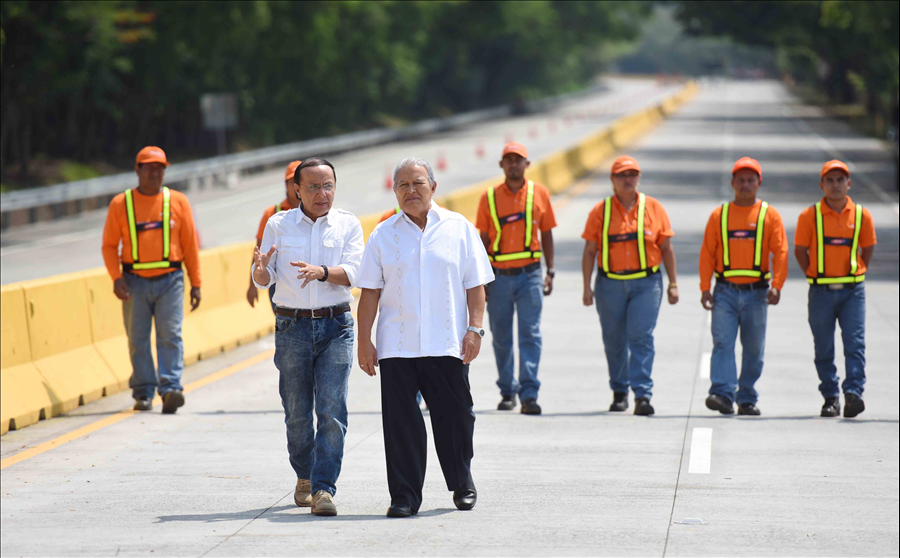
95,80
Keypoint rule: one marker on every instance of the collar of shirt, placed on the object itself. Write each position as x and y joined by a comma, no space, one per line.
626,213
431,218
849,206
302,216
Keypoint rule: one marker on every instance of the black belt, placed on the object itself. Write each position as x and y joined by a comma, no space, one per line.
329,312
155,277
518,270
745,286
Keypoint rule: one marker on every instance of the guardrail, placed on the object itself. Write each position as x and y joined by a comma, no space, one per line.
63,344
50,202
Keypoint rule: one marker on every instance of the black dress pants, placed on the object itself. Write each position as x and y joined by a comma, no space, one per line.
444,383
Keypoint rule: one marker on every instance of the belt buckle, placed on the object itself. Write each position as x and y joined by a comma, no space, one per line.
836,287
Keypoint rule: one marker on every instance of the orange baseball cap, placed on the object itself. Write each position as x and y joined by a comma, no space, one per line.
834,164
516,148
747,163
150,154
289,171
623,164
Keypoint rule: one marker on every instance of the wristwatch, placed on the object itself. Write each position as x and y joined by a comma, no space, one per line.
551,273
478,330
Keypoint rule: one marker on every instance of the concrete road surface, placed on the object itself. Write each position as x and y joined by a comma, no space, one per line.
214,479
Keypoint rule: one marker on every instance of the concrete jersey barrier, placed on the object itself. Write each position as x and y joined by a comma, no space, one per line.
63,342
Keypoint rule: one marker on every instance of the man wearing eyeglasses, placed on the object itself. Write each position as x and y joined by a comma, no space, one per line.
314,255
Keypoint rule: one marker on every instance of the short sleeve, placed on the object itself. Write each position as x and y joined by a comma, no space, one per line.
548,218
483,218
867,232
664,227
593,224
371,274
477,266
803,234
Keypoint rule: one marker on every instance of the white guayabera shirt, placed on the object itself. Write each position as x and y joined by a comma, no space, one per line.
333,240
423,277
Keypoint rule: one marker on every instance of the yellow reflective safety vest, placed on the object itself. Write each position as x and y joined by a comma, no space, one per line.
527,253
278,207
727,235
134,229
638,236
822,240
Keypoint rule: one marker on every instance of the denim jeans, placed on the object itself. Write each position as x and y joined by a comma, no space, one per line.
522,294
161,300
848,307
313,357
628,311
733,309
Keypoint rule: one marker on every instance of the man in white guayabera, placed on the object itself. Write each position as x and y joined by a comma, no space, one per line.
425,269
313,254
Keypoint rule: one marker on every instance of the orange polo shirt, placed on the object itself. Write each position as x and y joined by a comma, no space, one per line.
147,211
624,256
387,215
271,210
835,227
512,232
742,245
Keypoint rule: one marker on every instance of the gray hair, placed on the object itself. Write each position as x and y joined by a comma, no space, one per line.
414,162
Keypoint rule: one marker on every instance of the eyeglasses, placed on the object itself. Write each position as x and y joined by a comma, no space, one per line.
315,188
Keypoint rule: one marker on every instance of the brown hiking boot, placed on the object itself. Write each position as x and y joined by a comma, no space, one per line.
323,504
303,493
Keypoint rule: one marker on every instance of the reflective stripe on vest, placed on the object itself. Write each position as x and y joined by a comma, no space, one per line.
132,232
639,237
397,210
757,251
278,207
526,254
820,252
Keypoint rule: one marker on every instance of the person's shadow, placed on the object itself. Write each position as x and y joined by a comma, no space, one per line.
279,514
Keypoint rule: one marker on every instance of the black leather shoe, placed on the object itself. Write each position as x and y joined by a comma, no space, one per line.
508,403
832,407
748,409
143,404
719,403
643,407
400,511
465,498
530,407
620,402
853,405
171,401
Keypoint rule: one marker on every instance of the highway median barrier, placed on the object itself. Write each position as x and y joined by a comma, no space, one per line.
63,340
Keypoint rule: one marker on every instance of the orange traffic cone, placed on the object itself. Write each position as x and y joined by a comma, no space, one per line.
441,162
479,150
388,180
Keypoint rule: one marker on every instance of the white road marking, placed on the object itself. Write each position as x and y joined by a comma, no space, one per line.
704,365
701,451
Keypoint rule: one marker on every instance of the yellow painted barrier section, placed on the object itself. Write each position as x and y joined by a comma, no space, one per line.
24,397
63,339
62,345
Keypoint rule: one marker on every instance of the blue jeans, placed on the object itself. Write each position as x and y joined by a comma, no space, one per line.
628,312
313,357
733,309
161,300
848,307
522,294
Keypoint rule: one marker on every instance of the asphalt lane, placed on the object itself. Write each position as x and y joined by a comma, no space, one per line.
469,154
214,480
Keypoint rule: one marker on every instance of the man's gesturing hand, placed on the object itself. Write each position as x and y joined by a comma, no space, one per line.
368,356
260,273
308,272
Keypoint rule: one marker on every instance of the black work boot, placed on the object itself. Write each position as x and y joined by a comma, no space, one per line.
171,401
853,405
748,409
508,403
143,404
530,407
832,407
620,402
718,403
642,407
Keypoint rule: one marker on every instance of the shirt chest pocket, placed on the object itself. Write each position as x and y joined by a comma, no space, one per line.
332,248
293,249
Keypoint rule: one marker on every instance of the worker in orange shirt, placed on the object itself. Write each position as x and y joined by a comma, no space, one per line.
155,227
740,237
834,243
509,218
290,202
629,236
388,214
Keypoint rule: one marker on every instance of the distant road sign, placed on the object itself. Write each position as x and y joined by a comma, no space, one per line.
219,111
